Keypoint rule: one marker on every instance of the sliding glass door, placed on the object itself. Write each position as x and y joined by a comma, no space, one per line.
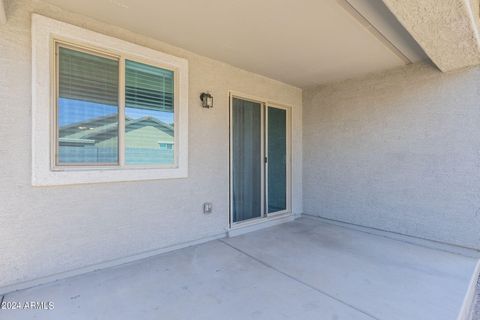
247,166
259,179
276,163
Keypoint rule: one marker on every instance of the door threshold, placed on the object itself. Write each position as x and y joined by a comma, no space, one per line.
258,224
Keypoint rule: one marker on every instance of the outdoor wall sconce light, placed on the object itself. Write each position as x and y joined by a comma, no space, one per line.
207,100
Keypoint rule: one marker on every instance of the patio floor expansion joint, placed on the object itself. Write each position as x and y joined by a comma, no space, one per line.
299,281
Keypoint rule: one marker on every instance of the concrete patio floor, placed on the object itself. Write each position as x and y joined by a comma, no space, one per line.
306,269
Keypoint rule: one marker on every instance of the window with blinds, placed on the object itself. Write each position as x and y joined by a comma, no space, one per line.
149,114
94,127
87,108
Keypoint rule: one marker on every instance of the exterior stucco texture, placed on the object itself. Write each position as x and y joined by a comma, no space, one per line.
398,151
446,29
49,230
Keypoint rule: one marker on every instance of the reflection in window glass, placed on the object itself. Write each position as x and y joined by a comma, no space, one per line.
149,114
87,108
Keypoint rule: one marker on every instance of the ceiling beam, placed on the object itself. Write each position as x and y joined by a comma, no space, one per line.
373,30
447,30
3,15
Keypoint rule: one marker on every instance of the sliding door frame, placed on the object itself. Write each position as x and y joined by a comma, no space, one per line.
264,104
262,156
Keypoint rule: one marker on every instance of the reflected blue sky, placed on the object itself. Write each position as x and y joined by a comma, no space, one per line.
74,111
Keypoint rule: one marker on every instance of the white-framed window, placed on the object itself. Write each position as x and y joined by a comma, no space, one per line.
104,109
166,145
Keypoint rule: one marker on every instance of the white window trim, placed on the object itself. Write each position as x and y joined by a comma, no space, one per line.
44,32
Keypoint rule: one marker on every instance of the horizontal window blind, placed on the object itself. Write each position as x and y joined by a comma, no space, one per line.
149,114
87,77
148,87
88,111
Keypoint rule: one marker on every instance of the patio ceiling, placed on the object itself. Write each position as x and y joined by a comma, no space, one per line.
3,17
304,43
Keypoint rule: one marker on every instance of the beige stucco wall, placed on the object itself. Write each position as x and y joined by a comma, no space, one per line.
399,151
47,230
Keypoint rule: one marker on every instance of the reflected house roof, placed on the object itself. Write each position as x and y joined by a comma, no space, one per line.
106,127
